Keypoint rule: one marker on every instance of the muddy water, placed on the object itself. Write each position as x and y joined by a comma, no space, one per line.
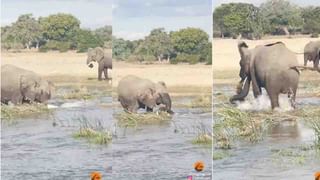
162,151
42,147
262,160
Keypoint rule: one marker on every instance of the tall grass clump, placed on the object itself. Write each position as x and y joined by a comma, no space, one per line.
93,133
11,112
126,119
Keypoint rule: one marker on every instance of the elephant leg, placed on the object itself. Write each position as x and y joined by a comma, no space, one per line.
292,97
105,71
100,69
316,64
305,59
274,98
17,98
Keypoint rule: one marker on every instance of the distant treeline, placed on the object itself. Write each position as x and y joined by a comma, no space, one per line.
55,32
189,45
274,17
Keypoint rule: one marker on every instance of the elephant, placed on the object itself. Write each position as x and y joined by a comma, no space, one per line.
272,67
312,53
23,86
103,59
135,93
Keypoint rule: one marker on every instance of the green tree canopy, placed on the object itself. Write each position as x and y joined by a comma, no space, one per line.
189,40
311,18
60,27
157,44
282,15
238,18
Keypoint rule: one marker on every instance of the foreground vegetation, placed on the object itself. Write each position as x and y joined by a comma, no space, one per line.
234,124
11,112
94,133
134,119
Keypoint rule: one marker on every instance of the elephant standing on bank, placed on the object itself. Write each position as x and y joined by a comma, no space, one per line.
272,67
20,86
312,53
103,59
135,93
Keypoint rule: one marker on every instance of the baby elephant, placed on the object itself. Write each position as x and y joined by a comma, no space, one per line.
135,93
103,59
20,86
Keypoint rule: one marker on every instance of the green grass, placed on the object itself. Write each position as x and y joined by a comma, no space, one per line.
134,119
204,101
93,132
94,136
81,93
203,139
11,112
233,124
218,155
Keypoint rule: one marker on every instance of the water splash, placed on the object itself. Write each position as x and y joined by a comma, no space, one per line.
263,103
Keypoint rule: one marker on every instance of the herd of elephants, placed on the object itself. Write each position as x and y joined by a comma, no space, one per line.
273,67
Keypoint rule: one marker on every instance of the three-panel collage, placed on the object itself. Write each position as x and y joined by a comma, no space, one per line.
160,90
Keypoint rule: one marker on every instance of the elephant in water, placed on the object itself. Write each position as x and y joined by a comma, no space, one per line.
135,93
312,53
20,86
103,59
272,67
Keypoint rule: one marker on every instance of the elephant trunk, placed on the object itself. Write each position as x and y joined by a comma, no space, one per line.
89,63
243,93
166,100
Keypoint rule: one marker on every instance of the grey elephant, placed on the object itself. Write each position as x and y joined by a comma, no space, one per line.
103,59
135,93
272,67
22,86
312,53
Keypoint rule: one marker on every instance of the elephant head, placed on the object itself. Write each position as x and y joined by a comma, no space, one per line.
29,88
44,92
244,72
34,89
94,55
147,98
163,97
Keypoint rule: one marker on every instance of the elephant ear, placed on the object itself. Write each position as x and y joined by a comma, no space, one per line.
99,54
26,82
147,96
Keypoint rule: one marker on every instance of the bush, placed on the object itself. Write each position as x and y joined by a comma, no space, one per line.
187,58
55,45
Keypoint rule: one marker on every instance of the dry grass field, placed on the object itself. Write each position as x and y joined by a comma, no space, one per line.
70,67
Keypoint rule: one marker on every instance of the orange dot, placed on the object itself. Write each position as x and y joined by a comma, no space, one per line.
96,176
198,166
317,175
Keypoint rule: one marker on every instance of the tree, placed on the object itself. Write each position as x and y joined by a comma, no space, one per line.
189,40
24,31
238,19
157,43
105,34
60,27
282,15
87,39
121,48
311,19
